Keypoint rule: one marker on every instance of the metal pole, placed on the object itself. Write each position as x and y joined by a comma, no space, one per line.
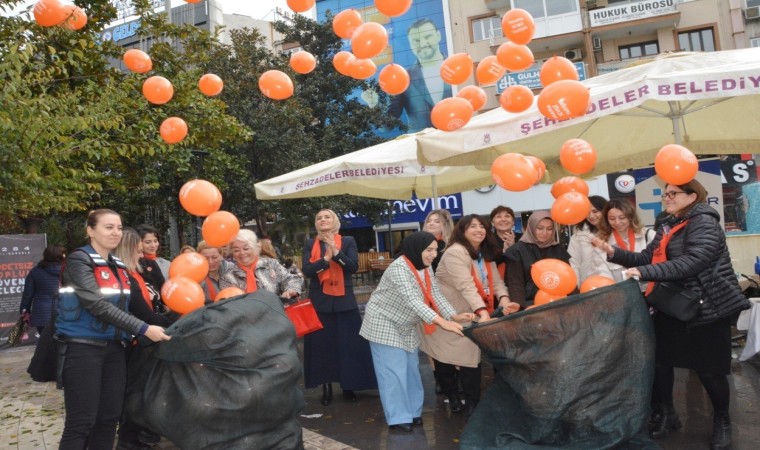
390,231
435,193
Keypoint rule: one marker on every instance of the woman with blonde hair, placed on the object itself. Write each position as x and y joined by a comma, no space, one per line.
620,227
252,271
336,352
439,223
219,271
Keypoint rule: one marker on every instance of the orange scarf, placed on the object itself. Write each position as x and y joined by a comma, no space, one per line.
502,269
427,292
487,298
212,289
331,279
660,254
143,288
250,276
631,247
151,257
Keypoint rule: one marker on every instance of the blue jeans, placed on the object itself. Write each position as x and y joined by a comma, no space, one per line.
94,379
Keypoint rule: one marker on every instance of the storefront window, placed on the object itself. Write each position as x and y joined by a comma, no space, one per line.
545,8
697,40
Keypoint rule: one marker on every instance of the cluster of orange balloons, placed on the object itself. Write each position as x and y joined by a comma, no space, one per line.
571,204
554,278
676,164
51,13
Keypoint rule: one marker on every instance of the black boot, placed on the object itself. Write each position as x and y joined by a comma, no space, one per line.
455,403
326,394
665,422
721,437
469,407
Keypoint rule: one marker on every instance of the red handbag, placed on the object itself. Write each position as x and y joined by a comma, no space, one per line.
304,317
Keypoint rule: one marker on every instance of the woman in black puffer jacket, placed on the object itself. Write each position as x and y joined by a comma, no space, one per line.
694,244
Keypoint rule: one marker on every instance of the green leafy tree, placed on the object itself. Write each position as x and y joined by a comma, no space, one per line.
77,133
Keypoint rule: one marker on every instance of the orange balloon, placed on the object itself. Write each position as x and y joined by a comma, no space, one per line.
489,71
276,85
193,1
554,276
513,172
451,114
676,164
543,297
557,68
173,130
539,165
393,8
571,208
516,98
393,79
361,69
191,265
475,95
228,292
518,26
514,57
157,90
563,100
595,282
300,6
182,295
76,19
346,22
200,197
342,62
210,85
137,61
457,68
569,184
577,156
220,228
49,13
303,62
369,40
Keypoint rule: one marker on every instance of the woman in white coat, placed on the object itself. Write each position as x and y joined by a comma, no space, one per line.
583,258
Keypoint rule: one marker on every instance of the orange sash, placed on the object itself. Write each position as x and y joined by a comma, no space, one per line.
143,288
427,292
631,240
212,289
487,298
660,254
332,278
250,276
502,269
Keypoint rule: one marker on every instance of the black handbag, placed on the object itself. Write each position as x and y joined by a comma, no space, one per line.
674,300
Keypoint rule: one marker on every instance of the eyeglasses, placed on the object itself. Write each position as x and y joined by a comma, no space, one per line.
672,195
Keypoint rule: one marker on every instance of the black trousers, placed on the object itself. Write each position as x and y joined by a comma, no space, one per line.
94,378
468,376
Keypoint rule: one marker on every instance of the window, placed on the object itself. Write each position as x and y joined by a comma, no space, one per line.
545,8
751,3
697,40
639,50
754,42
486,28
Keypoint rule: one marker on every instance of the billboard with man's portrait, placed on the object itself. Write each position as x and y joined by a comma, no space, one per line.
416,41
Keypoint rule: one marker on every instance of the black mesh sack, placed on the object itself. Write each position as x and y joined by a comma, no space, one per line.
228,378
573,374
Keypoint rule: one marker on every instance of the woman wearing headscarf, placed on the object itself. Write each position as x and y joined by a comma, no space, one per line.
538,242
471,283
690,249
336,352
407,295
438,223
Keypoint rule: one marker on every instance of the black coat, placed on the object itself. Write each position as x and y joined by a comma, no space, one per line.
692,253
520,257
41,293
348,258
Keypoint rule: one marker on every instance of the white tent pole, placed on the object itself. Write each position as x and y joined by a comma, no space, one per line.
675,115
435,192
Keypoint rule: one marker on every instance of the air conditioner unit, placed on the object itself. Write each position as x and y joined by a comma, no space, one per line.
594,4
596,43
574,54
752,13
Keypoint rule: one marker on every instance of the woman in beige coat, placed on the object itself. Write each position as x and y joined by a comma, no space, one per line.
471,283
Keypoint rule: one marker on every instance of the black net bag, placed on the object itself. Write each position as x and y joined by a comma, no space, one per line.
228,378
573,374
